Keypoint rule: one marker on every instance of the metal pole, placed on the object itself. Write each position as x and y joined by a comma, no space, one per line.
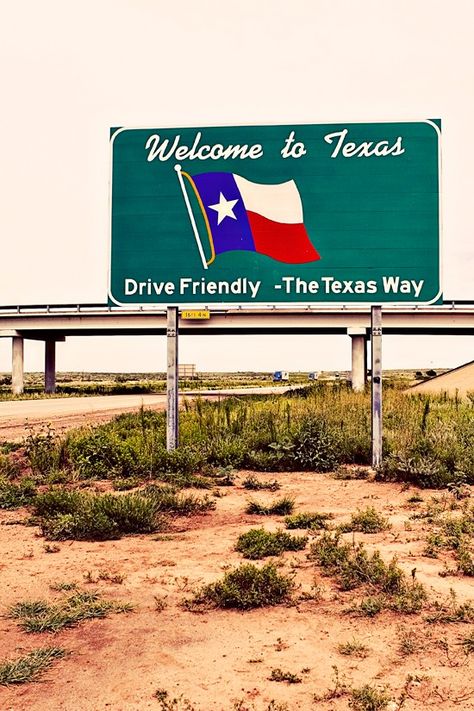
172,378
376,389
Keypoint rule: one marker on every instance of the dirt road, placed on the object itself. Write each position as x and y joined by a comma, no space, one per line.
16,416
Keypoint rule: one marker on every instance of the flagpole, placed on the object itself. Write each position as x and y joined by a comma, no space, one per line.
191,216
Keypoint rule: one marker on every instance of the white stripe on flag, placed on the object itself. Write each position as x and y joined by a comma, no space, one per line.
281,202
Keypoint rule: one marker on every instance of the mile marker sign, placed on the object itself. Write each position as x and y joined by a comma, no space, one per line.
299,214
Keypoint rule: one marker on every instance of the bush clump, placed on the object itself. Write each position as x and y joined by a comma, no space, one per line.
78,515
282,506
311,520
244,588
367,521
258,543
354,567
29,667
40,616
12,496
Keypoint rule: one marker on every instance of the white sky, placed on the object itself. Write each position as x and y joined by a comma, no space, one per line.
71,70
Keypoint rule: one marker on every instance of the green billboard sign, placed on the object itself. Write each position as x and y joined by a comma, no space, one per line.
299,214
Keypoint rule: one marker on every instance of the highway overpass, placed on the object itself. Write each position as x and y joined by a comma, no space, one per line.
56,323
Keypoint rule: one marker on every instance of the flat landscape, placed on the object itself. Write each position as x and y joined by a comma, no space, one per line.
224,659
262,566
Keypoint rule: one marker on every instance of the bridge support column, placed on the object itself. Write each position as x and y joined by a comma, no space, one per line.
50,366
359,358
18,375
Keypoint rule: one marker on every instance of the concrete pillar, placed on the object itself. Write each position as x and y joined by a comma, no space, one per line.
18,379
359,358
50,366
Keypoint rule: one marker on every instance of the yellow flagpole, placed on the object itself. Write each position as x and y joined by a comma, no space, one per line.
191,216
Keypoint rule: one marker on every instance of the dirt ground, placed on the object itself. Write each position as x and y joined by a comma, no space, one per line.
222,660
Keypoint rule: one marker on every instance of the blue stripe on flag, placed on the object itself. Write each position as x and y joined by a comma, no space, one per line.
231,233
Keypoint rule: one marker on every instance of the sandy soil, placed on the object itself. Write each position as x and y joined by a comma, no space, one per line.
218,658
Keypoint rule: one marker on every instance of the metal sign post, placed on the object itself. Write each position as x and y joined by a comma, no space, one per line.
376,390
172,378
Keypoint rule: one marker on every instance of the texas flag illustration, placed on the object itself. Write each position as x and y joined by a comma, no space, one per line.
242,215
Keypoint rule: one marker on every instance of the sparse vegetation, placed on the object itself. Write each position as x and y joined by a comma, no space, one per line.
353,649
354,567
311,520
244,588
12,496
252,483
288,677
77,515
40,616
258,543
369,698
450,611
282,506
29,667
409,642
367,521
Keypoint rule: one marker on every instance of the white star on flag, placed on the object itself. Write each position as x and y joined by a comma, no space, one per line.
224,208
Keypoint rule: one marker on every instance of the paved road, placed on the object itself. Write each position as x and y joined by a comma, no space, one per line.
16,416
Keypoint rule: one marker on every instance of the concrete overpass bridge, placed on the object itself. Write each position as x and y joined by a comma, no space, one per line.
56,323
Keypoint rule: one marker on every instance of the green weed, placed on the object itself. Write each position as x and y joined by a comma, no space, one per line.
78,515
288,677
369,698
244,588
367,521
282,506
29,667
12,496
354,567
258,543
353,649
252,483
312,520
40,616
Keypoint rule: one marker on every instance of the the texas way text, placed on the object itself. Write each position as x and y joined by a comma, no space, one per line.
289,285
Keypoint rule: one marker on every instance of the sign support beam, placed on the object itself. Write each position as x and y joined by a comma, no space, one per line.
376,389
172,378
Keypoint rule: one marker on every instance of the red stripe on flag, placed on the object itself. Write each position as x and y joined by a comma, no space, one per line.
284,242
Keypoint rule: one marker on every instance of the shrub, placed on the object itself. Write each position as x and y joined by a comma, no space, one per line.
165,499
311,520
353,649
353,567
367,521
84,516
251,482
316,446
258,543
43,450
8,468
369,698
101,454
282,506
280,675
244,588
13,496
